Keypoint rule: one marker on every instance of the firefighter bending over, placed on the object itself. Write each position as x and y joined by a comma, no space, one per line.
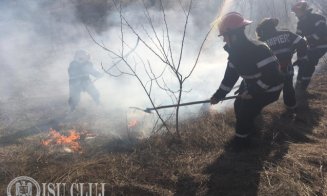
79,72
313,27
258,66
284,44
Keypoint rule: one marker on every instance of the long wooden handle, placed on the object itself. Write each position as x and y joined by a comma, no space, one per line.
187,103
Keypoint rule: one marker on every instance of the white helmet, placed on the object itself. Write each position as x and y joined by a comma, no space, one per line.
300,6
81,56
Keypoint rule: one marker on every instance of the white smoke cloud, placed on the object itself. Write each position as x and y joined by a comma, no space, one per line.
39,40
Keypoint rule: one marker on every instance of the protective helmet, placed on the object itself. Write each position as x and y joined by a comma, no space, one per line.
300,6
81,56
232,21
266,25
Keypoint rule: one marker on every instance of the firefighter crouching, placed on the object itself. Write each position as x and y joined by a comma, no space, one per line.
259,68
284,44
313,27
79,72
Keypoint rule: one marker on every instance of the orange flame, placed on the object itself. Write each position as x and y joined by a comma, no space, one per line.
132,123
69,141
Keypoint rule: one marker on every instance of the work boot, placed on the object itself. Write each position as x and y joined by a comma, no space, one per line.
238,144
290,112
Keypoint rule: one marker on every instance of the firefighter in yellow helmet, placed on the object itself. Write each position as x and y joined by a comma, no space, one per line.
313,27
255,63
79,72
284,44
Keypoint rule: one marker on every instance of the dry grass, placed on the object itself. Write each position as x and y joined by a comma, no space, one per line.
290,159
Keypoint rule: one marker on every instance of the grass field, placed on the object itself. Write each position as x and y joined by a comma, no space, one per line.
290,157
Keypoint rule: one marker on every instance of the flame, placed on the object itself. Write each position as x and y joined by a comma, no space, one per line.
132,123
70,141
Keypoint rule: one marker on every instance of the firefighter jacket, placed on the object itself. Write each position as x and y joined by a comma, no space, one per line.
82,71
313,27
284,44
256,64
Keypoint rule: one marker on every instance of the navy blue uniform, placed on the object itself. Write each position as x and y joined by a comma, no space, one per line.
313,28
258,66
284,44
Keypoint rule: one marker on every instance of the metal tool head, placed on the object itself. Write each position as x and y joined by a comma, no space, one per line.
148,110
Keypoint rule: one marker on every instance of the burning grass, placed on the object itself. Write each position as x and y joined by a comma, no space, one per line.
70,143
290,159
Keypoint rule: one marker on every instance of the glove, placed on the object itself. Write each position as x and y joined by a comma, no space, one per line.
301,62
214,100
246,95
217,97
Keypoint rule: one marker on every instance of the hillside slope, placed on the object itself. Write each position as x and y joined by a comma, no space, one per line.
290,157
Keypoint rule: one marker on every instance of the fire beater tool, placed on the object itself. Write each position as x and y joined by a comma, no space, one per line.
148,110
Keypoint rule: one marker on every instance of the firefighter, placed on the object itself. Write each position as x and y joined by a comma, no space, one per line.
313,27
258,66
284,44
79,72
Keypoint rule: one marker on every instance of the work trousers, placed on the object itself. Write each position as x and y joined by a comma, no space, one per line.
78,86
288,89
289,92
306,71
246,110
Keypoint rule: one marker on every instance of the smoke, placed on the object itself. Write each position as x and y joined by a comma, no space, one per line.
39,39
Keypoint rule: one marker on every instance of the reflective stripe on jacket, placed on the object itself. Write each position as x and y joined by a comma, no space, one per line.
256,64
313,28
284,44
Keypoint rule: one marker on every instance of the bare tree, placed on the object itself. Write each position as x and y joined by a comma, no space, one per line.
159,44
